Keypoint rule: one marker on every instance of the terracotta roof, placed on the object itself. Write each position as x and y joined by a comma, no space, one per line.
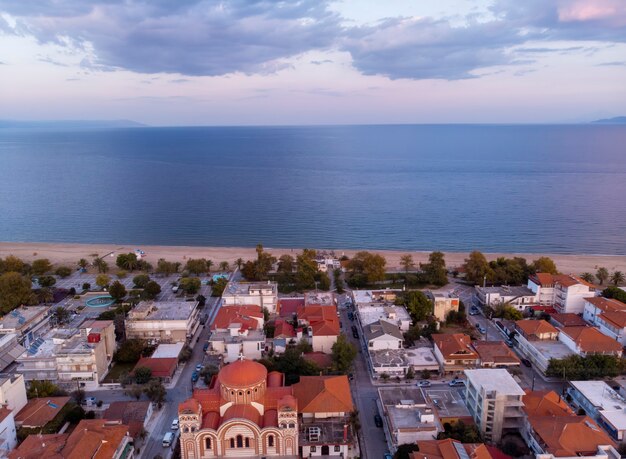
248,412
273,395
568,319
567,436
209,399
160,367
591,340
249,316
495,352
616,318
40,446
4,412
270,418
131,413
275,379
326,327
606,304
454,346
323,394
95,439
450,449
283,329
39,411
543,279
320,359
189,406
211,420
287,307
242,373
545,403
532,327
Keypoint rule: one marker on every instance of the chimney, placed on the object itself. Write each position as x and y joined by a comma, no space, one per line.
345,432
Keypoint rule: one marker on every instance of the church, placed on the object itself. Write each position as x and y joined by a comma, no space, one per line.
247,411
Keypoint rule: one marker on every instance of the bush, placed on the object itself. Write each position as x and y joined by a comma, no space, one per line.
141,280
63,271
130,351
142,375
86,286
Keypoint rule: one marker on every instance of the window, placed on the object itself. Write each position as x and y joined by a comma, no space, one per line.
240,393
232,442
337,448
313,449
207,443
247,442
239,441
292,425
270,440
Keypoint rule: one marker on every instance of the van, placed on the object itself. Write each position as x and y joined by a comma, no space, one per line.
168,439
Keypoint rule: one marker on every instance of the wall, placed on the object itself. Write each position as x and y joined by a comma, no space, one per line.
323,343
13,393
8,435
384,342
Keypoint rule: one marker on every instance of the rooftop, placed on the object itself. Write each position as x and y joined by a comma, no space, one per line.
568,319
249,316
163,310
21,317
249,335
381,328
40,446
552,349
372,296
495,352
532,327
591,340
545,403
507,290
319,298
39,411
606,304
287,307
447,402
370,313
453,449
600,395
321,431
95,439
161,368
402,395
323,394
569,436
494,379
168,350
454,346
250,288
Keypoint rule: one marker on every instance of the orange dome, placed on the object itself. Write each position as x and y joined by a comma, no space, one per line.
242,373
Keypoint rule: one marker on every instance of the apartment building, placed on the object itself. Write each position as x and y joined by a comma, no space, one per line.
454,352
586,341
443,304
494,400
320,326
519,297
609,315
538,341
236,332
603,404
263,294
13,392
163,321
565,292
27,322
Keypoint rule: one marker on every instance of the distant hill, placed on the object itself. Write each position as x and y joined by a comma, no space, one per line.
69,124
616,120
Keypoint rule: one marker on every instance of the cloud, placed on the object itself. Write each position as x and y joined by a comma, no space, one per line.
325,61
49,60
612,64
180,81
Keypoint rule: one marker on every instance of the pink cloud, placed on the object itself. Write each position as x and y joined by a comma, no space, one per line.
612,12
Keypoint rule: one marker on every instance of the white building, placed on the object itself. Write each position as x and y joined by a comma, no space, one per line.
443,304
609,315
8,433
27,322
235,343
382,335
519,297
13,392
603,452
163,321
565,292
494,400
263,294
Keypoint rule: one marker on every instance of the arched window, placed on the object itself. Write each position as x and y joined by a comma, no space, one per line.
292,425
232,442
207,443
247,442
186,429
239,441
270,440
240,393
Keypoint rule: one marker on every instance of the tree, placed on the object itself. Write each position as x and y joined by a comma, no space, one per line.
465,433
404,450
78,396
544,265
63,271
508,312
239,262
323,281
155,391
151,290
86,285
190,285
129,351
219,286
101,265
602,274
224,266
196,266
369,265
15,290
617,278
425,374
102,280
594,366
406,261
410,374
354,420
338,281
127,261
417,304
41,267
142,375
82,263
46,281
141,280
286,264
61,315
263,263
614,292
343,354
435,270
42,389
476,268
167,267
117,290
588,277
45,295
12,264
134,391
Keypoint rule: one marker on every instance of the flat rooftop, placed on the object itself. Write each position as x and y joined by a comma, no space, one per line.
165,310
600,394
399,358
234,288
371,296
321,298
165,351
406,396
371,312
552,349
494,379
507,290
22,317
252,335
447,402
409,418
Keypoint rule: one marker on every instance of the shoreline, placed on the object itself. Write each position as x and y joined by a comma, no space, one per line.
69,253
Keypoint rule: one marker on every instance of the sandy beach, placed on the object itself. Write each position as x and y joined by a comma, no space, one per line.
70,253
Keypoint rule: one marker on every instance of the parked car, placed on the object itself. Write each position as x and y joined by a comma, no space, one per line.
175,424
205,347
350,376
509,343
353,328
90,401
378,420
195,376
199,367
355,335
527,363
456,382
424,383
482,329
168,439
350,316
474,311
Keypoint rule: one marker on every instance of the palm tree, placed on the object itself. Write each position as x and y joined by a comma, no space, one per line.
588,277
46,296
101,265
602,274
209,263
617,278
224,266
239,263
83,263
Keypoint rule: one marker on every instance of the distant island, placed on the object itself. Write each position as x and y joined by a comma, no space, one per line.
69,124
615,120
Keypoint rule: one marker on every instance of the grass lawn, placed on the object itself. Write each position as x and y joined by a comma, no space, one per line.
117,370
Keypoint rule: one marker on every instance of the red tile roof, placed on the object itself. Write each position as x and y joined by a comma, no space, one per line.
320,359
40,447
323,394
322,319
160,367
249,316
39,411
287,307
455,346
131,413
94,439
591,340
606,304
616,318
545,403
568,319
532,327
495,352
283,329
450,449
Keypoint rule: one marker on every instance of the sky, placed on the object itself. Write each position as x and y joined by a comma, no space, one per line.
262,62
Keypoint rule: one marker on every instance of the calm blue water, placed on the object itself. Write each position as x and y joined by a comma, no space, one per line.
493,188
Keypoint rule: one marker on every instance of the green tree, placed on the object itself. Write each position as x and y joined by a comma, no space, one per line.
41,267
410,374
617,278
406,261
63,271
263,263
323,281
338,281
155,391
127,261
43,389
102,280
129,351
167,268
61,315
190,285
15,290
510,271
12,264
588,277
614,292
594,366
224,266
369,265
239,263
343,354
219,286
151,290
544,265
209,265
117,290
465,433
101,265
45,295
476,268
306,270
142,375
196,266
46,281
417,304
82,263
602,274
508,312
405,450
435,270
286,264
141,280
135,391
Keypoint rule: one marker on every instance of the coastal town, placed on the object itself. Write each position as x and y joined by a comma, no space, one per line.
310,354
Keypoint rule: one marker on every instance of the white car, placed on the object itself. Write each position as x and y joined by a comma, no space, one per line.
175,424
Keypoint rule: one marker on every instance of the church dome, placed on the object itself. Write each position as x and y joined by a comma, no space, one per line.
242,374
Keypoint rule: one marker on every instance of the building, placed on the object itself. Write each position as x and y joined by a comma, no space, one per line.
288,307
565,292
443,304
262,294
448,404
27,322
454,449
396,362
382,335
538,341
163,321
163,368
454,352
247,412
237,331
168,351
10,349
551,429
602,452
321,326
519,297
567,319
134,414
13,392
586,341
40,411
371,312
284,335
495,354
47,446
495,401
609,315
603,404
71,356
8,433
409,417
317,298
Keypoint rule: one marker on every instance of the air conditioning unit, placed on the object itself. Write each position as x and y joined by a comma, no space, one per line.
314,433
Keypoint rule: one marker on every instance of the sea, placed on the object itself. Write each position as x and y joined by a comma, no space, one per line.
495,188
